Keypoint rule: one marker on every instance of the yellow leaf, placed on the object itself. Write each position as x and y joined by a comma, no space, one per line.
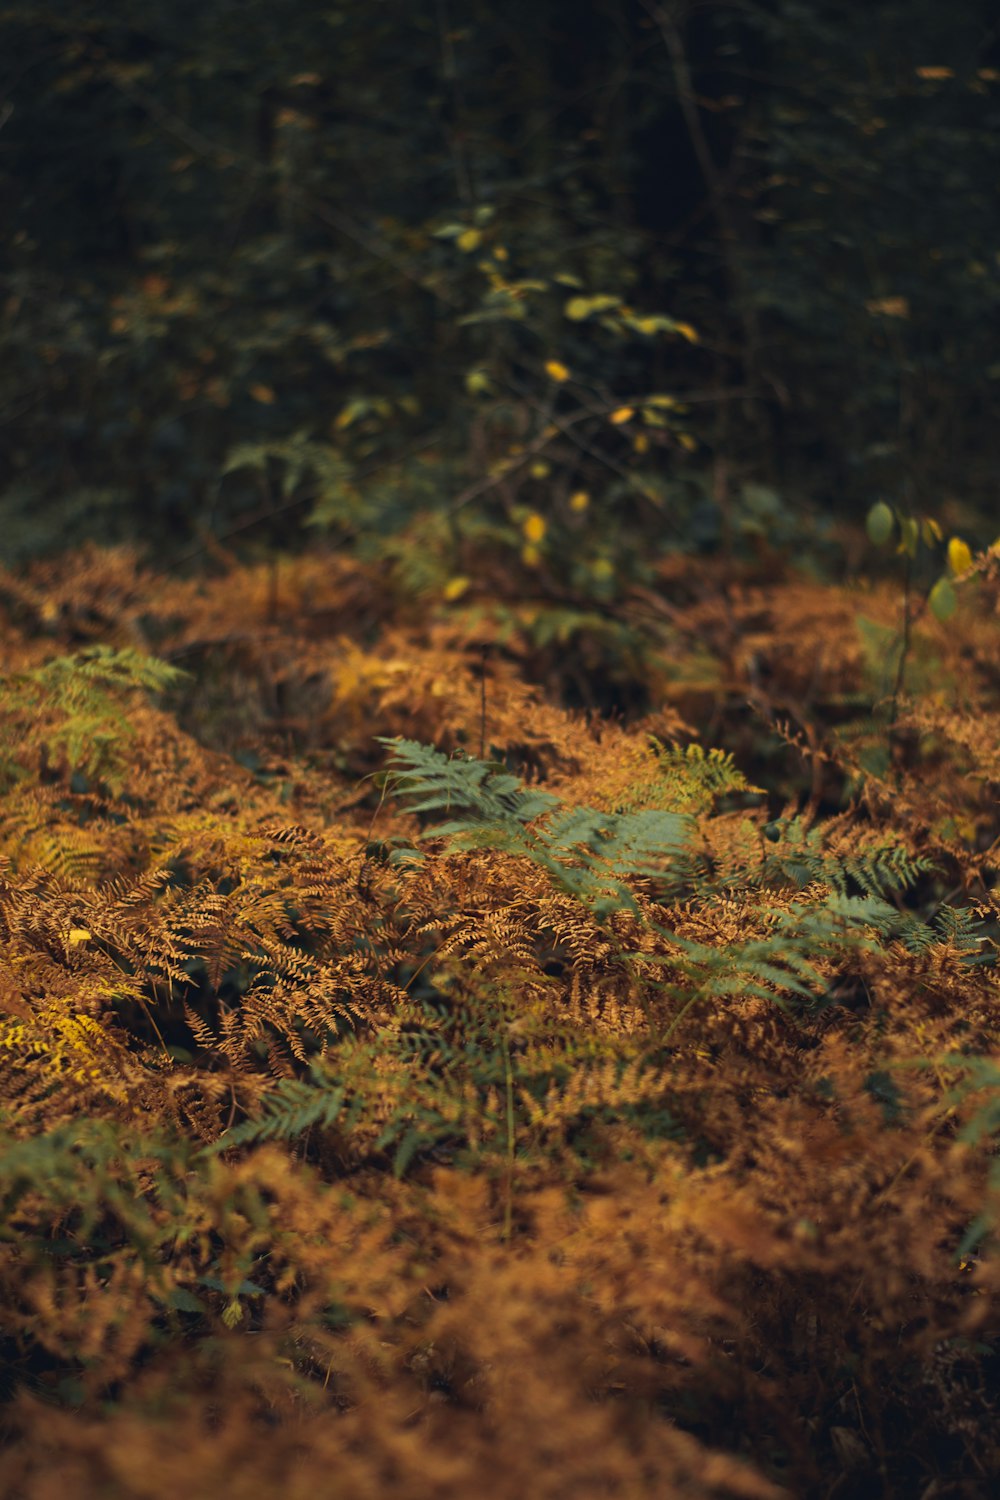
889,307
78,935
577,308
623,414
350,413
264,394
602,568
530,556
556,370
579,501
687,442
232,1313
959,555
540,469
909,537
534,527
935,72
686,332
500,252
469,240
640,443
455,588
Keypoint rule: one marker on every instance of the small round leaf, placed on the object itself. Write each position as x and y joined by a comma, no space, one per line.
880,523
943,600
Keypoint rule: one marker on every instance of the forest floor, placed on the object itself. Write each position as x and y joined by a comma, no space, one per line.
495,1045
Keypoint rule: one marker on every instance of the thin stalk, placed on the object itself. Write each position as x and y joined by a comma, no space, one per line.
482,706
508,1076
688,1005
904,648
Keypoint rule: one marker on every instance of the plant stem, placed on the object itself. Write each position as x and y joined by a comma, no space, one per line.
508,1207
904,648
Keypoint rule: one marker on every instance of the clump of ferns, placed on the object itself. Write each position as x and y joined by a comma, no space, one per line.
589,854
488,1057
473,1074
74,712
602,860
796,852
126,1220
481,1063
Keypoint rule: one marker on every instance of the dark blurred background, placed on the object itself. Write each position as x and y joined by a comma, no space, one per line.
265,267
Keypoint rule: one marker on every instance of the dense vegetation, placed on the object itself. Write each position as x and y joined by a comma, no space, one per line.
499,723
263,266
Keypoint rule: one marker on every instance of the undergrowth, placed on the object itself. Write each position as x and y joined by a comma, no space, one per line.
407,1078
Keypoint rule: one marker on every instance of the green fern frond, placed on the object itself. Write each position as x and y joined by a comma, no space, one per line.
588,853
78,707
958,925
782,965
798,854
484,790
292,1107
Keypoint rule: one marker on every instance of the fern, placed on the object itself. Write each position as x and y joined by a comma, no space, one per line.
979,1081
592,855
781,965
291,1108
78,706
587,853
484,790
687,780
452,1079
801,855
957,926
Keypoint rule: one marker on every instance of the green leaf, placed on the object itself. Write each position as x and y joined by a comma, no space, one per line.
910,536
943,600
879,523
